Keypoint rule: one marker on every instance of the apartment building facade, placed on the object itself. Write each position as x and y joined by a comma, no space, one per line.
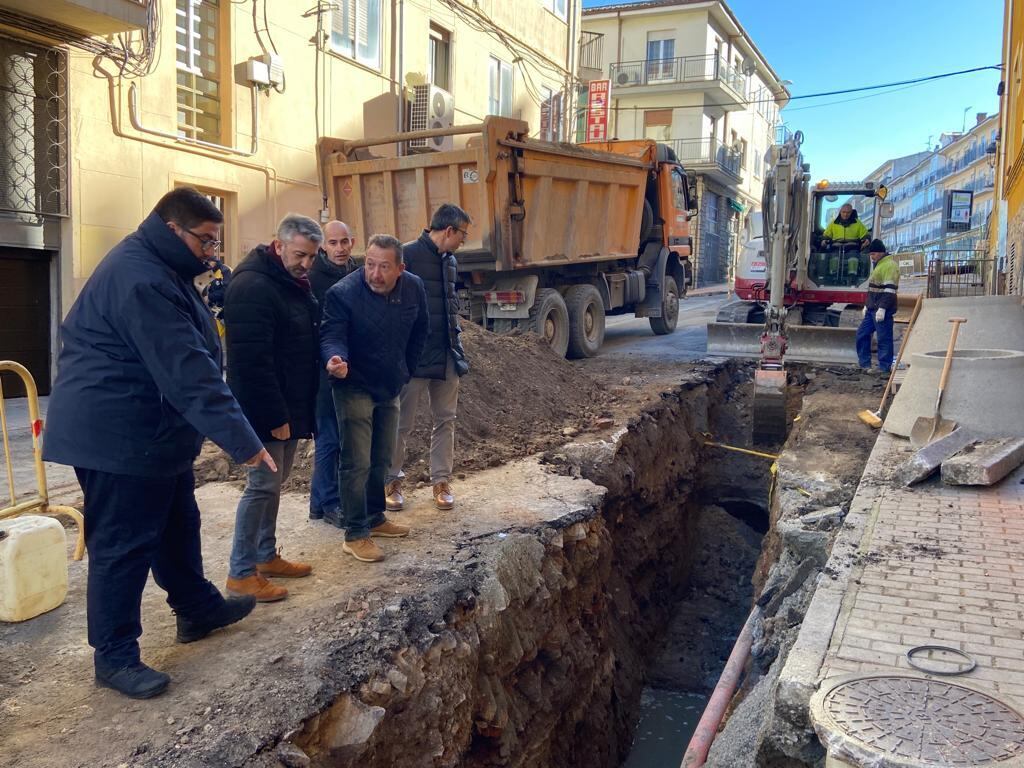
960,161
1006,237
111,103
686,73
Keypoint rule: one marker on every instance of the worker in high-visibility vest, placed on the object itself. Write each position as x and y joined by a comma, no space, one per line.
879,309
846,228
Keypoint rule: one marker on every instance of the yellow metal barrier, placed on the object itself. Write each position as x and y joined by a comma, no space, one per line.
39,504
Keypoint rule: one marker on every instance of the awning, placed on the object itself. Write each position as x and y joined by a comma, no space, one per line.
738,207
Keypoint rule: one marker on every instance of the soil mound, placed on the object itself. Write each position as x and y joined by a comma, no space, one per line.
517,399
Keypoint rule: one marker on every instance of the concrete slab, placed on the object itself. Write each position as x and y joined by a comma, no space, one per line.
993,322
985,463
983,392
924,462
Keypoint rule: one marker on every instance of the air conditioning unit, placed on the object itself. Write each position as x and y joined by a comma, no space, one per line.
628,77
432,108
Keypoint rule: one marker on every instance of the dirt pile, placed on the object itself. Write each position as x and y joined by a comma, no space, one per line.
517,399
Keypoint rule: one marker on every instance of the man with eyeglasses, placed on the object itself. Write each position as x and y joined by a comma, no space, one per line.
432,259
273,341
138,386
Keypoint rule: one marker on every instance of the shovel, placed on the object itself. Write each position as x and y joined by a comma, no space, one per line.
925,429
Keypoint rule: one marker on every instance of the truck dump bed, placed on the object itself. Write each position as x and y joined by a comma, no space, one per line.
533,203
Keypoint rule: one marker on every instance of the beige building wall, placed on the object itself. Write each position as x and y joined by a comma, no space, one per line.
119,170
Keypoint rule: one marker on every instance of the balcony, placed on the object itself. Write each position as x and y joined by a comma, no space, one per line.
591,56
709,157
89,17
721,83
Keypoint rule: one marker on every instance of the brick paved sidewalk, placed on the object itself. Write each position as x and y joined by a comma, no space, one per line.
936,565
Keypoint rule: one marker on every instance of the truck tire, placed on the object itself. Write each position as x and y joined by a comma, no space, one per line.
549,319
586,320
665,324
502,325
646,222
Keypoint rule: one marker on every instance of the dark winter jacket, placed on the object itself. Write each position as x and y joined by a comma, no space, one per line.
273,340
138,377
325,274
380,337
438,272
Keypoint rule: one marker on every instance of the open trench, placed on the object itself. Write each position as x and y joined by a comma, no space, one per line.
556,634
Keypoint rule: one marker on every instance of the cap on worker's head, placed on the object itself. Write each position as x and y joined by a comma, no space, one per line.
877,246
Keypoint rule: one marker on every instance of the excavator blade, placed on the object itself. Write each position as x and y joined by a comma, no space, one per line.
807,343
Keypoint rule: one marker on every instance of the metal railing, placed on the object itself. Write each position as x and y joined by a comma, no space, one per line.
591,50
696,152
685,69
961,272
40,502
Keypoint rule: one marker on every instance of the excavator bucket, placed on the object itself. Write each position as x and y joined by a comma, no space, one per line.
807,343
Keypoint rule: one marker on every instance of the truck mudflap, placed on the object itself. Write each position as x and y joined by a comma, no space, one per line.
807,343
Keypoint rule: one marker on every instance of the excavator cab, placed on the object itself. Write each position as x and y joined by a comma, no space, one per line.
838,263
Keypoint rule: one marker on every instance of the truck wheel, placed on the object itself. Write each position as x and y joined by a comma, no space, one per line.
586,320
502,325
646,222
549,319
669,309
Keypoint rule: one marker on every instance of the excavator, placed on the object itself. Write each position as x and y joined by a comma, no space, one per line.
798,295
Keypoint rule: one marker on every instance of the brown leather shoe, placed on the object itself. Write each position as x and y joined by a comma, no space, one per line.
394,501
443,498
364,550
284,569
389,530
259,587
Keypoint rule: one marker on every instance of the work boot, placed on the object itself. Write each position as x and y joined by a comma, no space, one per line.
389,530
233,609
394,501
443,498
333,517
136,681
364,550
257,585
283,568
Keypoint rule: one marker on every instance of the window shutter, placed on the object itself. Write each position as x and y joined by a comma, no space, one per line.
362,24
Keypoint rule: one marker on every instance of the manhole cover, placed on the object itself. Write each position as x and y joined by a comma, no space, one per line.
897,721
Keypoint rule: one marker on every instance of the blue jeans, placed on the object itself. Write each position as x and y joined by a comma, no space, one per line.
323,488
367,430
867,327
134,525
256,518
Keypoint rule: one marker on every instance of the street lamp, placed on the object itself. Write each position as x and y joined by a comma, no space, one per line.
963,123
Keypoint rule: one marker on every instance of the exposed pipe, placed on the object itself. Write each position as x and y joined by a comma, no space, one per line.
133,115
704,735
455,130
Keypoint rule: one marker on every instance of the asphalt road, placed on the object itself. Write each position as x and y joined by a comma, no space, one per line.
629,337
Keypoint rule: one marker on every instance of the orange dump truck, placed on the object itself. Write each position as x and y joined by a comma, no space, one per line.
562,234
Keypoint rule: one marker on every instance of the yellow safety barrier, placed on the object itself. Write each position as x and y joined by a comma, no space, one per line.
39,504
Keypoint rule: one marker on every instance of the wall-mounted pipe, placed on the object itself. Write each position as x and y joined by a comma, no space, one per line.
133,115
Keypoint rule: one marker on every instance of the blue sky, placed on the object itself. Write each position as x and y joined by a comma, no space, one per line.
821,48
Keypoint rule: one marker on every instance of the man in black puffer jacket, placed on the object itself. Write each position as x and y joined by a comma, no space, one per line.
432,259
273,327
332,264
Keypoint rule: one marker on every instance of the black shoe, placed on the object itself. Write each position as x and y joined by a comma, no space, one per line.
136,681
334,517
233,609
316,514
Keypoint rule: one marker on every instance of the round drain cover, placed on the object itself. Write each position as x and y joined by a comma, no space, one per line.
900,721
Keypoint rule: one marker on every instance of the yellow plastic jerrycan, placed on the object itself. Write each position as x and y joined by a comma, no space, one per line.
33,567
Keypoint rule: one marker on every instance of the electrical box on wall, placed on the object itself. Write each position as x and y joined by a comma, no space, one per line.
275,67
256,72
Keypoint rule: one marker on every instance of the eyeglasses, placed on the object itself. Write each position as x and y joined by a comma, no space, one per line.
465,233
206,243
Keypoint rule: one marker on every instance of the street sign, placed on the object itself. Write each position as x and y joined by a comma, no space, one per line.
959,203
597,110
